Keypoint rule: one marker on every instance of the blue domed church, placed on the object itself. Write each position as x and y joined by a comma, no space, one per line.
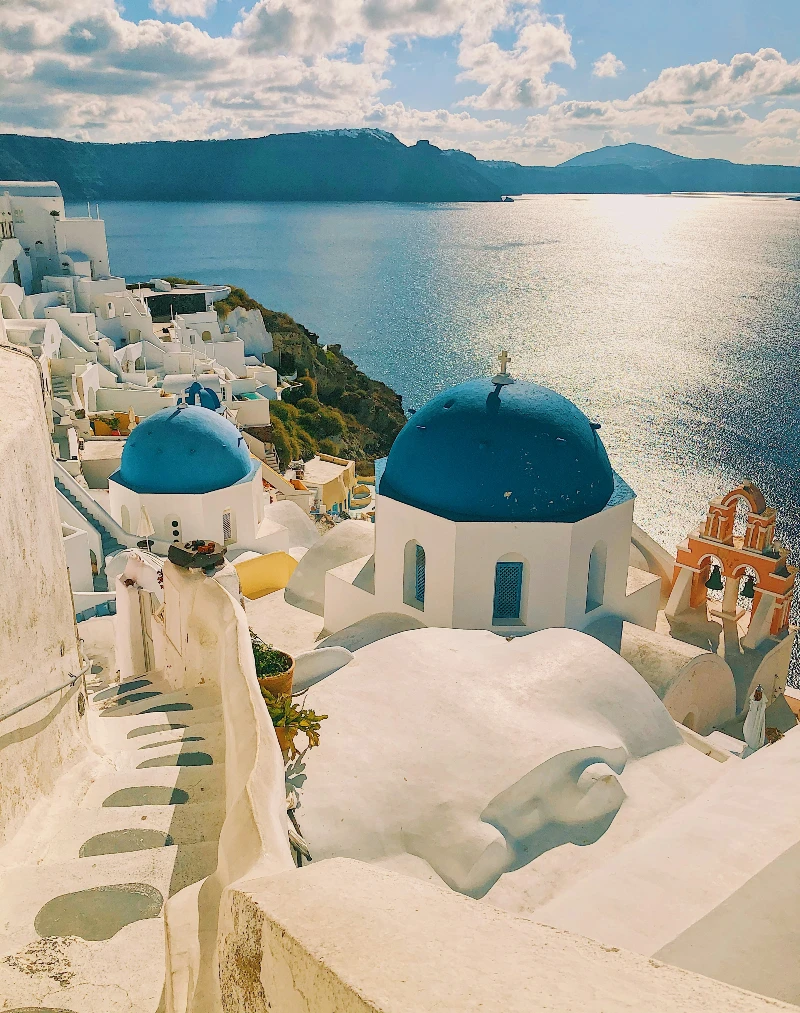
498,509
187,473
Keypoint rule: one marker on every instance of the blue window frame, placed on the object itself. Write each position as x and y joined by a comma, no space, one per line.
419,575
507,591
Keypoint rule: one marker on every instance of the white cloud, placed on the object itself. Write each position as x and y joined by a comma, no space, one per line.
708,121
444,128
615,137
747,77
772,150
184,8
82,69
607,66
514,78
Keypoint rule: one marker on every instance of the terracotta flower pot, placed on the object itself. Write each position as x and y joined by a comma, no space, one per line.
280,684
286,740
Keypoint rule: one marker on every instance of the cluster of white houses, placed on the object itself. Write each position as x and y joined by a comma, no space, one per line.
114,357
532,707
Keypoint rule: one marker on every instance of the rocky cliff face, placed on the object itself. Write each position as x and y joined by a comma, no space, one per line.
338,165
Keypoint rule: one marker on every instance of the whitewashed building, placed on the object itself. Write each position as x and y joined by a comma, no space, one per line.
186,473
498,509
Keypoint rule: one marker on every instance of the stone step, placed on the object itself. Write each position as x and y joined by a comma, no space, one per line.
90,932
185,824
139,740
193,750
116,727
158,701
24,891
189,785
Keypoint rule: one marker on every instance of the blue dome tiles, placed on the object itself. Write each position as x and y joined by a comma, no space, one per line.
486,452
184,450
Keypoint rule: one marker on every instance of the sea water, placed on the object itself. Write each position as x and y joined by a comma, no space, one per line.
674,321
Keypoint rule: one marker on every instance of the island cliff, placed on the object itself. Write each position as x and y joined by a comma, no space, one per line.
337,409
321,165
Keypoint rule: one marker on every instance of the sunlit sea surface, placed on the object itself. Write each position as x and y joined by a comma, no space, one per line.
673,321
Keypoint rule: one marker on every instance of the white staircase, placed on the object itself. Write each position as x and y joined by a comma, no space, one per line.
84,881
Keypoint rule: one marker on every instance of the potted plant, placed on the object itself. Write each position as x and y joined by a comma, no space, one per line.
289,718
274,669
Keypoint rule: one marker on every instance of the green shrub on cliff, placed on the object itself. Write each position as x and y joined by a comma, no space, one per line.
334,404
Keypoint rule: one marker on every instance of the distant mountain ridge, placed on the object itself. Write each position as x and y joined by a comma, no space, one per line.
359,165
637,155
635,168
335,165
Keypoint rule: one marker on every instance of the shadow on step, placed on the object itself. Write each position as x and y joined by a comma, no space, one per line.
198,809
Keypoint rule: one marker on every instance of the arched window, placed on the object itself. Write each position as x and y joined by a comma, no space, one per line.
508,576
206,335
596,578
414,575
125,517
228,527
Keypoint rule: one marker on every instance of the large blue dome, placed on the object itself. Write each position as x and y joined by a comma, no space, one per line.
183,450
487,452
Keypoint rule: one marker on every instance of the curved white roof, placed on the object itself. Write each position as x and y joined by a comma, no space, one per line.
437,747
22,188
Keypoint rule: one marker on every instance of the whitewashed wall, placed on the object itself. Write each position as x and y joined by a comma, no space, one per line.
460,560
200,515
342,937
38,639
79,563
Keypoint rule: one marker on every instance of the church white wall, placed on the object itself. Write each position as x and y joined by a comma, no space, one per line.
200,516
544,550
395,525
460,569
38,639
613,528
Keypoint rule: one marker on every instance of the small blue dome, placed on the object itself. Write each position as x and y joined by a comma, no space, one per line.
183,450
487,452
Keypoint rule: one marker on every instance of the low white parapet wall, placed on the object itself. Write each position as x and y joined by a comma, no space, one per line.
207,642
343,937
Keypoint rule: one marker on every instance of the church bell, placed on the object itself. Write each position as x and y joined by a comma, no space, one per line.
714,582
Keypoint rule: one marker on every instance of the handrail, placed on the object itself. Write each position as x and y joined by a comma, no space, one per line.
100,515
71,682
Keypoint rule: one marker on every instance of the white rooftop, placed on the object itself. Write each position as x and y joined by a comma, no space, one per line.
319,472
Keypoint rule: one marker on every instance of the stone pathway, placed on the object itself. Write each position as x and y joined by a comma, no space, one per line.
84,881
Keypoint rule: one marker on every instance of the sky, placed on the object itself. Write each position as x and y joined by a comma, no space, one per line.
536,81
